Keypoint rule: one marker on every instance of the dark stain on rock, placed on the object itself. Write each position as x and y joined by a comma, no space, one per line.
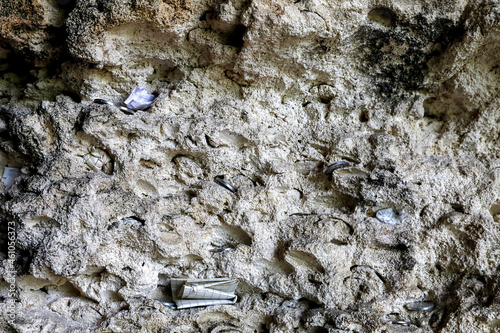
381,178
23,10
376,182
23,261
407,262
396,59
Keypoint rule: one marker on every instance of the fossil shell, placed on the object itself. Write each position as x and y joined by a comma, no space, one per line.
98,159
420,306
337,165
389,216
93,162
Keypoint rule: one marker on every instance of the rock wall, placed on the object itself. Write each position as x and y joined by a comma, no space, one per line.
266,93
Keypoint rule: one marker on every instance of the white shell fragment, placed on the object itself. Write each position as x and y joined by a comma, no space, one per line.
189,293
420,306
99,160
389,216
9,175
221,249
139,99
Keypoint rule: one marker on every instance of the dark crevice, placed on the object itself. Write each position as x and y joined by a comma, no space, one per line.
458,208
67,5
384,16
348,203
23,261
207,15
364,116
29,66
235,38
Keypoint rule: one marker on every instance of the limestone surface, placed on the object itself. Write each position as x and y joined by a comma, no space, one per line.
109,206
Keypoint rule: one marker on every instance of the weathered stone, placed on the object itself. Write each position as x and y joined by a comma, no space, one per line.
268,94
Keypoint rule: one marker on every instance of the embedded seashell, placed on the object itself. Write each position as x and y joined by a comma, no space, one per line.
93,162
97,159
335,166
420,306
389,216
220,180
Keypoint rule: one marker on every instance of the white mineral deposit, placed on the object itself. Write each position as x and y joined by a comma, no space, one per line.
405,95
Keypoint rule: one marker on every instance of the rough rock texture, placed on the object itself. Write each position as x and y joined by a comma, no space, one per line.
267,93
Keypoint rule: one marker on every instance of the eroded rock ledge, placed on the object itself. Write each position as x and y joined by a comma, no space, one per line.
267,94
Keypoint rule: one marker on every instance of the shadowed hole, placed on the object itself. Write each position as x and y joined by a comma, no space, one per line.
364,116
235,38
305,260
495,211
383,16
223,235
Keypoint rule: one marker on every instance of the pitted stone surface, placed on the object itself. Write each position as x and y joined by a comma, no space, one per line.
267,94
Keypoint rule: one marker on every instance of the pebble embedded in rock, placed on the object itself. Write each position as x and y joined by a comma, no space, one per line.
389,216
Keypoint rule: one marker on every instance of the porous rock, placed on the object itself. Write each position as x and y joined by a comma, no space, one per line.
266,93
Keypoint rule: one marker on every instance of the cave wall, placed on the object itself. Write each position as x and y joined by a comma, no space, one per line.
268,94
